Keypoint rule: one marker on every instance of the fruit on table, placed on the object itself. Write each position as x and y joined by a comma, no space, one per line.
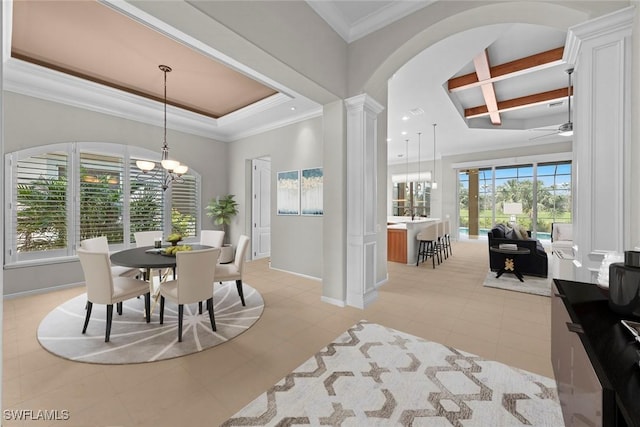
174,237
171,250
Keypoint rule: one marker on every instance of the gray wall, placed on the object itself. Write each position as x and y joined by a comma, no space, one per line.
31,122
296,241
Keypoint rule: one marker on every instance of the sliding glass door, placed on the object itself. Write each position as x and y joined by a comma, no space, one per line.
530,195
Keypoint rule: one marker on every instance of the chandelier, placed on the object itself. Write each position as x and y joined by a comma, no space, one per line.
172,168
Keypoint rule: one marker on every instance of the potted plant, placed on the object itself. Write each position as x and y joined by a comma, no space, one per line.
222,210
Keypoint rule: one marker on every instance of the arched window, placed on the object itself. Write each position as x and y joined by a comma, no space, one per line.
61,194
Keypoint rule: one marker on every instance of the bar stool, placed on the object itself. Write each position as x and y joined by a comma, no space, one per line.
440,245
447,237
427,238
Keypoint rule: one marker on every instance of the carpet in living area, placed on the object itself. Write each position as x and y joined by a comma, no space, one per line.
135,341
531,285
374,375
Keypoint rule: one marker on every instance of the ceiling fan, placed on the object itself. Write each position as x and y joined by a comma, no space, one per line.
565,129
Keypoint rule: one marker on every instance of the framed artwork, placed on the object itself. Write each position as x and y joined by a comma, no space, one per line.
288,193
311,192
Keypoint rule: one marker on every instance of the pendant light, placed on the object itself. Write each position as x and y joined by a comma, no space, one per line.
174,170
406,185
434,184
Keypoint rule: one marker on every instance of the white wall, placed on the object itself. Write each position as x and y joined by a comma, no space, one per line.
290,31
31,122
296,241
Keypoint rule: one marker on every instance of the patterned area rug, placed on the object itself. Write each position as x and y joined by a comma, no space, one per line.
135,341
375,376
531,285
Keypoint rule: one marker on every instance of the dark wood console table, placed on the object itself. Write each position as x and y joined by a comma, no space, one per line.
595,360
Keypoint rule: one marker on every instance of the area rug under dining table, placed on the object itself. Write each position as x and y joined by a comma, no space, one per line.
135,341
376,376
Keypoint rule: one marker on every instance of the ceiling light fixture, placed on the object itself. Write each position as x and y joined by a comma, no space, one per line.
174,170
434,184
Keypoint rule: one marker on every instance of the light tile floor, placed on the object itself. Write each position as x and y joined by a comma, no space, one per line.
447,304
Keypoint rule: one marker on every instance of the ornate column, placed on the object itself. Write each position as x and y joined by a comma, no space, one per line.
601,52
362,112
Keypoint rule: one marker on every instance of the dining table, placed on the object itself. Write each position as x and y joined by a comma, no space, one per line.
149,258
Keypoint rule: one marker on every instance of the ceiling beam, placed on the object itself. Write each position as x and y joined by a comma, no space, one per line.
520,66
517,103
483,71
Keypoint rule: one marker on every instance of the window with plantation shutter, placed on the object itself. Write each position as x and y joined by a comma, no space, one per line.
146,200
101,198
39,211
60,194
184,206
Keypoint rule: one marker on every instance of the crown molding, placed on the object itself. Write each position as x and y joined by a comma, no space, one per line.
277,124
382,17
43,83
40,82
620,20
366,25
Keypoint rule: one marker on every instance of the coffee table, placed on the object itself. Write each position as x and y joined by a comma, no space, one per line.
510,260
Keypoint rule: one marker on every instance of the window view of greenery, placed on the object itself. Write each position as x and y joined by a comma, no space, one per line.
146,200
412,199
184,206
41,202
549,182
101,201
514,185
45,219
554,195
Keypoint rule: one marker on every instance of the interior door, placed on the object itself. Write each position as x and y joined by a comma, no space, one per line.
261,209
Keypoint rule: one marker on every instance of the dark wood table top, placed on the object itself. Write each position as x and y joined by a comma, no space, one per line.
140,258
518,251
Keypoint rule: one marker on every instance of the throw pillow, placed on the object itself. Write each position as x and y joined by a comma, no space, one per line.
520,233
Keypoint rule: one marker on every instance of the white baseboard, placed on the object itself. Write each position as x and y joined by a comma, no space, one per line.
43,291
333,301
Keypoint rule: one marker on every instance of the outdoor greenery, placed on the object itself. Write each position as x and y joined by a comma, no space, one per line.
42,214
553,204
42,211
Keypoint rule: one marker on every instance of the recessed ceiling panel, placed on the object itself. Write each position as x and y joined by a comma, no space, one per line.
90,40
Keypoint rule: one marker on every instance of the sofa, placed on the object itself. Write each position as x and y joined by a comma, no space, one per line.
562,238
533,264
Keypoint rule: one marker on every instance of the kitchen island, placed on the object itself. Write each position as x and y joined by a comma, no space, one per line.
402,245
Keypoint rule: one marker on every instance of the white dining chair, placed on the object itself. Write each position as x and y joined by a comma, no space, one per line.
213,238
101,244
148,238
104,288
196,274
234,270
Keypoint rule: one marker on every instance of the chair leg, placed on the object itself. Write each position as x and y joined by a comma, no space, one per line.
86,317
161,309
107,333
180,313
119,306
419,252
199,307
211,315
147,306
240,292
